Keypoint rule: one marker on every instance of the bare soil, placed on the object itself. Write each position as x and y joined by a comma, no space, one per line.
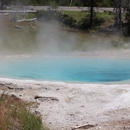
66,106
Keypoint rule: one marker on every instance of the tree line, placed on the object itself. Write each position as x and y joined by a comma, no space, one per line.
99,3
118,5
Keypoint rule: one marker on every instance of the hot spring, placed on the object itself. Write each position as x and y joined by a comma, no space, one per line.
66,69
65,61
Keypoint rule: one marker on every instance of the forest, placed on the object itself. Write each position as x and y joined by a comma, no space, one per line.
98,3
121,11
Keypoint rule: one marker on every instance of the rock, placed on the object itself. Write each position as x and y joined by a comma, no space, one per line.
38,113
57,89
2,84
84,127
46,98
18,27
1,92
12,95
14,88
126,45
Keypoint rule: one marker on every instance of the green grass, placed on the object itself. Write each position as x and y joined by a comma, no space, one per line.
106,15
77,15
30,15
14,115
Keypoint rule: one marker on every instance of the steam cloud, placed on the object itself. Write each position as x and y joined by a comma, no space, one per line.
46,38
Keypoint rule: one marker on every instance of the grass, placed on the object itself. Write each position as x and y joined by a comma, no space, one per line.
77,15
14,115
30,15
106,15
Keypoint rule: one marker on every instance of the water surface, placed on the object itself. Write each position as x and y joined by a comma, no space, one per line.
67,69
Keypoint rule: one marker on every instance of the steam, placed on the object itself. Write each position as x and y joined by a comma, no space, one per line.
48,38
53,40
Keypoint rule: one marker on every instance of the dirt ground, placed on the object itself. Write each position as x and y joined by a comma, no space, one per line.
67,106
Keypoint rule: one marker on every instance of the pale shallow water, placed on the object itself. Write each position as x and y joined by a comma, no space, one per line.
66,69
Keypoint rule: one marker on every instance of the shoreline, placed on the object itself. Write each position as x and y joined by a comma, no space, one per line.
123,82
112,53
65,106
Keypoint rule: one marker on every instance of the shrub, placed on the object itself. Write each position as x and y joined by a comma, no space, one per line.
47,15
68,20
84,23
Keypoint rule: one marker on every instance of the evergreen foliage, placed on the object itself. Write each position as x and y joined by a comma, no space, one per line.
101,3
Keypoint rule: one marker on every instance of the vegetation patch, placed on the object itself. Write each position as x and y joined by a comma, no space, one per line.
77,15
15,115
74,19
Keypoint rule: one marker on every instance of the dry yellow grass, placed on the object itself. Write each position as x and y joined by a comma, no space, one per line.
14,115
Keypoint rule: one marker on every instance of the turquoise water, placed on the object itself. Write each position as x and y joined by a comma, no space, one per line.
68,69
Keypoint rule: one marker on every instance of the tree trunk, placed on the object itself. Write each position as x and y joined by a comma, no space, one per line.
120,17
91,13
2,4
71,2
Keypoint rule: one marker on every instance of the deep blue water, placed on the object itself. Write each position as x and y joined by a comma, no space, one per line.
67,69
